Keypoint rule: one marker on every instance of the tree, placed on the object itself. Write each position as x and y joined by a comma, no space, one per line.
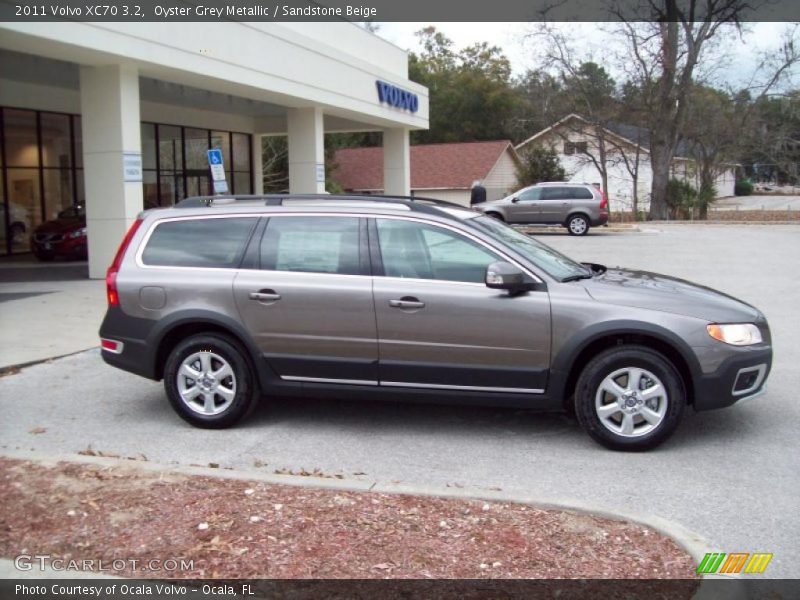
539,163
471,96
275,163
663,51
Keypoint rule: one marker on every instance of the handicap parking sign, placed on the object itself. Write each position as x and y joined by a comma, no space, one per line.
215,157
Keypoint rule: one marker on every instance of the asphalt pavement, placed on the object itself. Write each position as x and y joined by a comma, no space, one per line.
730,475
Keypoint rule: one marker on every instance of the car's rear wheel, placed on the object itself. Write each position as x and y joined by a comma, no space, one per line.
209,382
578,225
629,398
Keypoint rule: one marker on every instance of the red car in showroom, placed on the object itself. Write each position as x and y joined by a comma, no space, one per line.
63,237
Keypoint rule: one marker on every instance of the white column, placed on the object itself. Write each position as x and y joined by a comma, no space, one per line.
306,150
396,163
258,164
110,127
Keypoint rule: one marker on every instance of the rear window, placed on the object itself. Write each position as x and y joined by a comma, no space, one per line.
209,243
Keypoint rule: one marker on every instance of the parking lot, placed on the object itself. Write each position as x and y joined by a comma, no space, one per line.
731,475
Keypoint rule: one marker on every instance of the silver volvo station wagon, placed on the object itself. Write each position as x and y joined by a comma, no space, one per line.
231,299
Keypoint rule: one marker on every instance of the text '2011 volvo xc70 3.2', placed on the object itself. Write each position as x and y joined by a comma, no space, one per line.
232,299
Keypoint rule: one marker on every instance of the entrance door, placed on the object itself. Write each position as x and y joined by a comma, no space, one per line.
439,326
198,183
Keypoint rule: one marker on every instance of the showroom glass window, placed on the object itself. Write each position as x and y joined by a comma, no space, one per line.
41,173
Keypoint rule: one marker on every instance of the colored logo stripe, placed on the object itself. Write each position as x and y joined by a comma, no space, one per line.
716,562
758,563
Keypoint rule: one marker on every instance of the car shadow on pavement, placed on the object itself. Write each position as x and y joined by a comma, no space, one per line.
425,418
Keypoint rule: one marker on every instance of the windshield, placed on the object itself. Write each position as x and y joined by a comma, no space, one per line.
553,262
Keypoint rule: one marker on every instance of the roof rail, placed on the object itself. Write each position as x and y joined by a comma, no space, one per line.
277,199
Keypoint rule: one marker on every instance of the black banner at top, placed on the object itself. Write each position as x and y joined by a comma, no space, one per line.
397,10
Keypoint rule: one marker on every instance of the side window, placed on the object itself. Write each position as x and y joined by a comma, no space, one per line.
581,193
553,193
530,194
420,251
311,245
208,243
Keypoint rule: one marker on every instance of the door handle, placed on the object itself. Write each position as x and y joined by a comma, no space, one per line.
264,296
407,302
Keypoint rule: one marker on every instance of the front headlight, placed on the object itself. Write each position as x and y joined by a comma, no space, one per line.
78,233
736,334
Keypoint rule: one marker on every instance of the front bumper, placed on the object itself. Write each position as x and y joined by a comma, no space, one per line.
740,377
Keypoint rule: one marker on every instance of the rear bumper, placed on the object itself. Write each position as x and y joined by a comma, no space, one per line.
136,355
601,220
737,379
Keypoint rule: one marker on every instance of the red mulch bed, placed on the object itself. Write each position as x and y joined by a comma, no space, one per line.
246,529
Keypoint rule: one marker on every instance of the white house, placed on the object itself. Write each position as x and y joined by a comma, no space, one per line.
577,143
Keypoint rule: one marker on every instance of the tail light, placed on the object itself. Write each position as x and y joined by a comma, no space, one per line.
603,200
111,274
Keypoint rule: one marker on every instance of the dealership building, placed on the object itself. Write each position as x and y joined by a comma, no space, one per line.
119,116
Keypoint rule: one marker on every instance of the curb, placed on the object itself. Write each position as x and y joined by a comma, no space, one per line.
693,543
11,369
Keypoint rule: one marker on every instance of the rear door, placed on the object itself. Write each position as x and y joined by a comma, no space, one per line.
307,301
555,204
440,327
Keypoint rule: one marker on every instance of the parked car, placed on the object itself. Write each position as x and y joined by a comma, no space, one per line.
576,206
231,300
17,222
63,237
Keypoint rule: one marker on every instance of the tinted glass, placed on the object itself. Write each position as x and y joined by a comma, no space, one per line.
311,245
419,251
214,243
22,149
530,194
553,193
580,193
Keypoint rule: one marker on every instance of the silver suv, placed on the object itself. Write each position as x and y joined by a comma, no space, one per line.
576,206
229,300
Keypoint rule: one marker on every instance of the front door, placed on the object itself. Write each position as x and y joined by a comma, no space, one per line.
526,207
440,327
309,305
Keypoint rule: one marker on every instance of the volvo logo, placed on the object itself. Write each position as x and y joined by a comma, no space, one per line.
397,97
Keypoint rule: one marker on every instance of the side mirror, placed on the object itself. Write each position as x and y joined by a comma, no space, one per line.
505,276
514,200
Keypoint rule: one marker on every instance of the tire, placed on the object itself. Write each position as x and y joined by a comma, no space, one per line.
660,397
495,215
223,397
578,224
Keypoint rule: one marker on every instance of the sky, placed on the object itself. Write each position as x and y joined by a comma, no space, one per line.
511,37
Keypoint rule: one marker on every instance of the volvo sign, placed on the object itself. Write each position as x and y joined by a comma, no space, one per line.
397,97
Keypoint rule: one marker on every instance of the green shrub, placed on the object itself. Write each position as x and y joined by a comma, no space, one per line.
743,187
681,198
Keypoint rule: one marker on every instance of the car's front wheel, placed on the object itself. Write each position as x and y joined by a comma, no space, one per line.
629,398
209,382
578,225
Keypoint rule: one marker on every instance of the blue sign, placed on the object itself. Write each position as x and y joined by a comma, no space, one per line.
215,157
397,97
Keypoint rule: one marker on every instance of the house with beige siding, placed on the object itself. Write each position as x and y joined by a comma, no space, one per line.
440,171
